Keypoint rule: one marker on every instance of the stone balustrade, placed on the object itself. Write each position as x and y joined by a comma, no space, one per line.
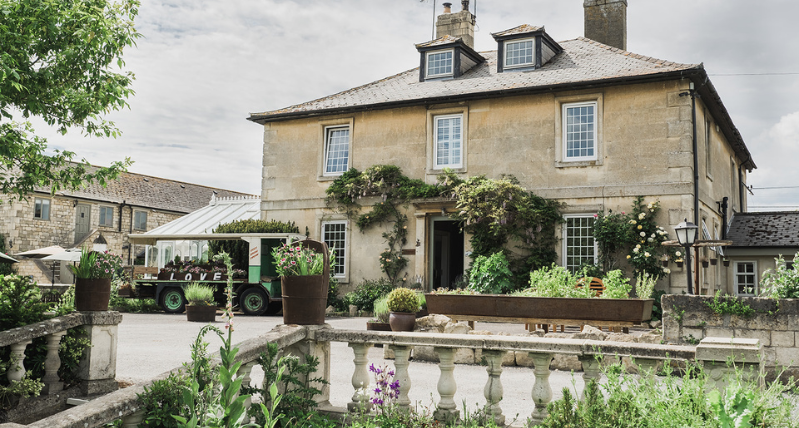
316,341
97,371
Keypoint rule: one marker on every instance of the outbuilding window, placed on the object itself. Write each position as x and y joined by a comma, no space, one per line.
41,209
746,278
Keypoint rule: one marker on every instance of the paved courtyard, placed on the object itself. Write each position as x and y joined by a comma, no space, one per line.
150,344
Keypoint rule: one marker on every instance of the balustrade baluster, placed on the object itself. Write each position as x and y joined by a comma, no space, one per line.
52,363
360,378
133,420
16,370
542,391
591,370
447,410
493,390
401,356
244,372
646,365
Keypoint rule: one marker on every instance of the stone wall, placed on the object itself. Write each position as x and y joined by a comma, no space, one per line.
687,319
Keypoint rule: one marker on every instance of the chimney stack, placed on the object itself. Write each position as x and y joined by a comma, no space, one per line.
460,24
606,22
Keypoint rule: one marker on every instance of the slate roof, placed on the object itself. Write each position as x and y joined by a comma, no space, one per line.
582,60
150,192
764,229
522,29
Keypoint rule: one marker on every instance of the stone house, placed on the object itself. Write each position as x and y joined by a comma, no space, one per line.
580,121
133,203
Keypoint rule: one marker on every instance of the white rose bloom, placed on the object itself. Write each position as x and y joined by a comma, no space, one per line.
646,254
643,234
649,239
667,270
635,250
678,254
641,216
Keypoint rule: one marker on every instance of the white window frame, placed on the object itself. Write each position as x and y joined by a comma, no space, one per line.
436,164
328,131
451,71
735,277
41,201
564,131
565,236
135,226
343,254
523,64
100,216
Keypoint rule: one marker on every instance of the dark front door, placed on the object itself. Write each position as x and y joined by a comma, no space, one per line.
446,255
82,221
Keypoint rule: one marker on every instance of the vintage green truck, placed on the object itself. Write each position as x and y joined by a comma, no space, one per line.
257,294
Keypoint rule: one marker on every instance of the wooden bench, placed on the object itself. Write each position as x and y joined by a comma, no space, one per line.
135,270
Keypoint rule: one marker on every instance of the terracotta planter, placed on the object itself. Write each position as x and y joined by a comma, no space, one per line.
305,297
402,321
200,313
378,326
502,306
92,294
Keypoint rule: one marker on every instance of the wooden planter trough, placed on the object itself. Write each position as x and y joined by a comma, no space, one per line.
541,310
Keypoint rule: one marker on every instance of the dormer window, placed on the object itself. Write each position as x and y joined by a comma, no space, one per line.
523,48
520,53
446,58
439,64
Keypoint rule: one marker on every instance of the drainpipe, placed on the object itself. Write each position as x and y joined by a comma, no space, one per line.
724,207
122,205
130,247
692,93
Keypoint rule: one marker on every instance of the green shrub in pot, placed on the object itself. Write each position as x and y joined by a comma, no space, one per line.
403,300
199,295
381,309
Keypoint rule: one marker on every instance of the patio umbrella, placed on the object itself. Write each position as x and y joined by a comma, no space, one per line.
41,253
69,255
7,259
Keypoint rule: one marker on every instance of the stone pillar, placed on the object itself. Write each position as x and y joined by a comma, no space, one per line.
98,367
542,391
447,409
52,363
401,355
493,391
720,356
591,370
360,378
421,238
16,368
319,350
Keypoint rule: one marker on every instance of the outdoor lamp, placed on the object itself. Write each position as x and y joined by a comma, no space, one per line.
686,236
100,244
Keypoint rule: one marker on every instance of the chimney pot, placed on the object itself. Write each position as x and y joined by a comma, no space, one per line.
447,7
465,4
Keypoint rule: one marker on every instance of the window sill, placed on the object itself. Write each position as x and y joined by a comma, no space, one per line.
566,164
328,177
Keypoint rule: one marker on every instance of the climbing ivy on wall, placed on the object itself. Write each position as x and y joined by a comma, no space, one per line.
494,212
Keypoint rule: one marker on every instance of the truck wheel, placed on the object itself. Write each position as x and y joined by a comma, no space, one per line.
172,301
253,301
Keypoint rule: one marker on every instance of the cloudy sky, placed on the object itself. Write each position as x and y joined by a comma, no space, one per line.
203,65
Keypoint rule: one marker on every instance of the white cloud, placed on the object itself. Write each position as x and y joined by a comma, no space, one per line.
777,157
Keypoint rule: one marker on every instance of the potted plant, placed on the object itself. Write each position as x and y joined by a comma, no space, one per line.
380,323
201,306
93,275
403,304
726,262
304,270
705,263
714,261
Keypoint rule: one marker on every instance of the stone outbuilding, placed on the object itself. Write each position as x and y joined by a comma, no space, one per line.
134,203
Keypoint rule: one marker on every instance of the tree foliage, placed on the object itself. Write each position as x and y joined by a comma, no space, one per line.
57,60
